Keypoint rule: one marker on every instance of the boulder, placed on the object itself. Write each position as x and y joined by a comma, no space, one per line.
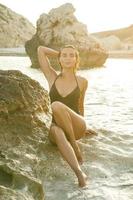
25,118
60,27
15,30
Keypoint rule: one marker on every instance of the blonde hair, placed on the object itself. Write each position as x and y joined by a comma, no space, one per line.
76,52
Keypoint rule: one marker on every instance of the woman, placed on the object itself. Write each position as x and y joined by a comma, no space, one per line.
67,91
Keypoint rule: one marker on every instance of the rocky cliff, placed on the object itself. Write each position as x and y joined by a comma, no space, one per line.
15,30
60,27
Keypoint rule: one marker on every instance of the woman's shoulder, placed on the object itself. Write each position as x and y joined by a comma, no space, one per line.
83,82
81,79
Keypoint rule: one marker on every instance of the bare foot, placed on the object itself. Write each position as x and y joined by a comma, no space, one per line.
90,132
82,179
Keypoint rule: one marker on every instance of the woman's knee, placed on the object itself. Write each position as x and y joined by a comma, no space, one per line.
57,107
55,132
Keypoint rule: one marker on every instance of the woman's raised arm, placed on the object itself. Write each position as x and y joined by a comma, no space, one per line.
44,62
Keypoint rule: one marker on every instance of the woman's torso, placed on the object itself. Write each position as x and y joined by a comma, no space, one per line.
71,99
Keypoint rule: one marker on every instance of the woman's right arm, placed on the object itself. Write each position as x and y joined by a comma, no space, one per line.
47,69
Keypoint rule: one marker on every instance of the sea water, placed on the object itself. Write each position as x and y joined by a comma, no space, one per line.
108,157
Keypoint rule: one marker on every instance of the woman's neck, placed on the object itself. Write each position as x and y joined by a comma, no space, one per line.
68,72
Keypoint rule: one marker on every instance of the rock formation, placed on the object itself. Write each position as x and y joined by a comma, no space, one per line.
60,27
25,118
15,30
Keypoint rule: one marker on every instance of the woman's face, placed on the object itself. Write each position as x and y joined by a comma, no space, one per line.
68,58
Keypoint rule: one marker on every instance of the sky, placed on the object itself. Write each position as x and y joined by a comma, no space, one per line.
98,15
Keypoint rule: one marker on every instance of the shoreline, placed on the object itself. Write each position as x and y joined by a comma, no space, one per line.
20,51
125,54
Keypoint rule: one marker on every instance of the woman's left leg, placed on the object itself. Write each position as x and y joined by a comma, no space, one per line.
73,125
57,136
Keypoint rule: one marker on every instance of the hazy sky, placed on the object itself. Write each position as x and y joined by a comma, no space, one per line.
98,15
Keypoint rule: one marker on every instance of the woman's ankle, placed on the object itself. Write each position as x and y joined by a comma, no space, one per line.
82,178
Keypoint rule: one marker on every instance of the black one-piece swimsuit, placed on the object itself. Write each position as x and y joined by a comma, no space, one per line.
71,100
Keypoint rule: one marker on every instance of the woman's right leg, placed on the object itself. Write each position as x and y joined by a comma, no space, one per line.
58,136
72,124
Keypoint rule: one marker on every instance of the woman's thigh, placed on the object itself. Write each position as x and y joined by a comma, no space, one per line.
78,122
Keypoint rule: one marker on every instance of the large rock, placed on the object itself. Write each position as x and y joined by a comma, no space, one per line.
25,117
60,27
15,30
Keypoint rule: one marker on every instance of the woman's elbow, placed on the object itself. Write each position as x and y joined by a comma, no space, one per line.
41,52
39,49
